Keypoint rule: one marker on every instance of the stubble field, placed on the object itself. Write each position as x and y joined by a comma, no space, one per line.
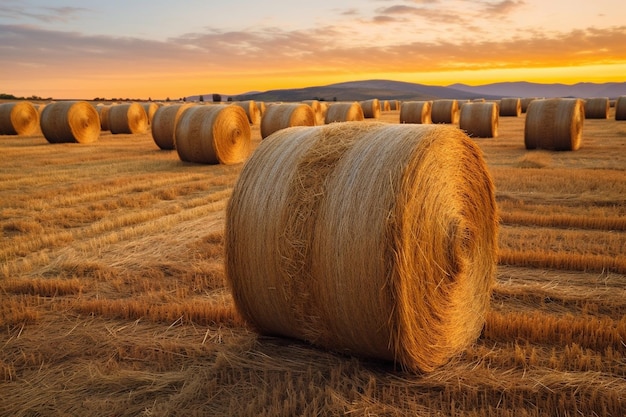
113,299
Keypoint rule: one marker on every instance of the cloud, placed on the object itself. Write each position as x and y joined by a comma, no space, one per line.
502,8
43,14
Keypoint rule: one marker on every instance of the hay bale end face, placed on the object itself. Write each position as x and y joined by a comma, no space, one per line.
70,122
479,119
371,108
554,124
344,112
216,134
282,116
445,111
128,118
251,109
18,118
370,238
417,112
620,108
163,125
510,107
597,108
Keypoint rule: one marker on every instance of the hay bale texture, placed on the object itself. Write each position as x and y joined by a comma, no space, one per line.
282,116
554,124
417,112
479,119
371,108
128,118
164,122
597,108
525,101
373,239
216,134
510,107
319,110
70,122
251,109
18,118
620,108
103,113
344,112
150,108
445,111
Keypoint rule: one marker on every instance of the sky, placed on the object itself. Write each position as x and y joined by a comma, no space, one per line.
159,49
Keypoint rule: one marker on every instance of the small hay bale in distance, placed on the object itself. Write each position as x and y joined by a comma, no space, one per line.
163,125
282,116
344,112
319,110
510,107
525,101
597,108
371,108
394,105
70,122
479,119
18,118
620,108
554,124
252,110
150,108
216,134
417,112
373,239
103,113
128,118
445,111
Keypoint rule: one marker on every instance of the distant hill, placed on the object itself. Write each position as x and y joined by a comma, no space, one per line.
526,89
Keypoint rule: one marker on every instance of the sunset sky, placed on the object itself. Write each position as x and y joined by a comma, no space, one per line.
166,48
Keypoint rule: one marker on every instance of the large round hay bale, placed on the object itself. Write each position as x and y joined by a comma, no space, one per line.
18,118
418,112
164,122
510,107
319,110
445,111
554,124
252,110
479,119
374,239
344,112
282,116
70,122
150,108
103,113
620,108
128,118
216,134
371,108
597,108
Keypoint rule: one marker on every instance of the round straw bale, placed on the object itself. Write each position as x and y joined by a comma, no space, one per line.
371,108
103,112
252,110
386,106
70,122
445,111
128,118
418,112
164,124
150,108
525,102
344,112
479,119
318,110
510,107
18,118
281,116
554,124
620,108
374,239
217,134
394,105
597,108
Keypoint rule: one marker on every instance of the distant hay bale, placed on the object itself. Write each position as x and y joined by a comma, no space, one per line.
150,108
525,101
128,118
70,122
478,100
319,110
510,107
445,111
374,239
344,112
417,112
18,118
252,110
371,108
262,107
164,124
103,113
386,106
620,108
479,119
282,116
216,134
394,105
597,108
554,124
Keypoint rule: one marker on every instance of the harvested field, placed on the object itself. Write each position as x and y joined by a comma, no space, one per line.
114,299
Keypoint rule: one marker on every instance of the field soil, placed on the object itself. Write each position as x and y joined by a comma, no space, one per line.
113,298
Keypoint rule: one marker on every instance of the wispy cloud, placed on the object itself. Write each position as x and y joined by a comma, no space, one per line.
18,11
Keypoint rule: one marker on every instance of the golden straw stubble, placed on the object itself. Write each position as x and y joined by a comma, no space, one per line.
18,118
554,124
70,121
284,115
373,239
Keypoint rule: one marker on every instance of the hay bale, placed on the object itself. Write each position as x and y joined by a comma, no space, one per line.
164,124
103,113
597,108
252,110
510,107
128,118
394,105
524,102
319,110
216,134
386,106
554,124
70,122
18,118
282,116
344,112
371,108
445,111
418,112
479,119
620,108
150,108
373,239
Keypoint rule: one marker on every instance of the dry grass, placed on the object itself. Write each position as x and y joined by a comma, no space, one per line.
114,302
